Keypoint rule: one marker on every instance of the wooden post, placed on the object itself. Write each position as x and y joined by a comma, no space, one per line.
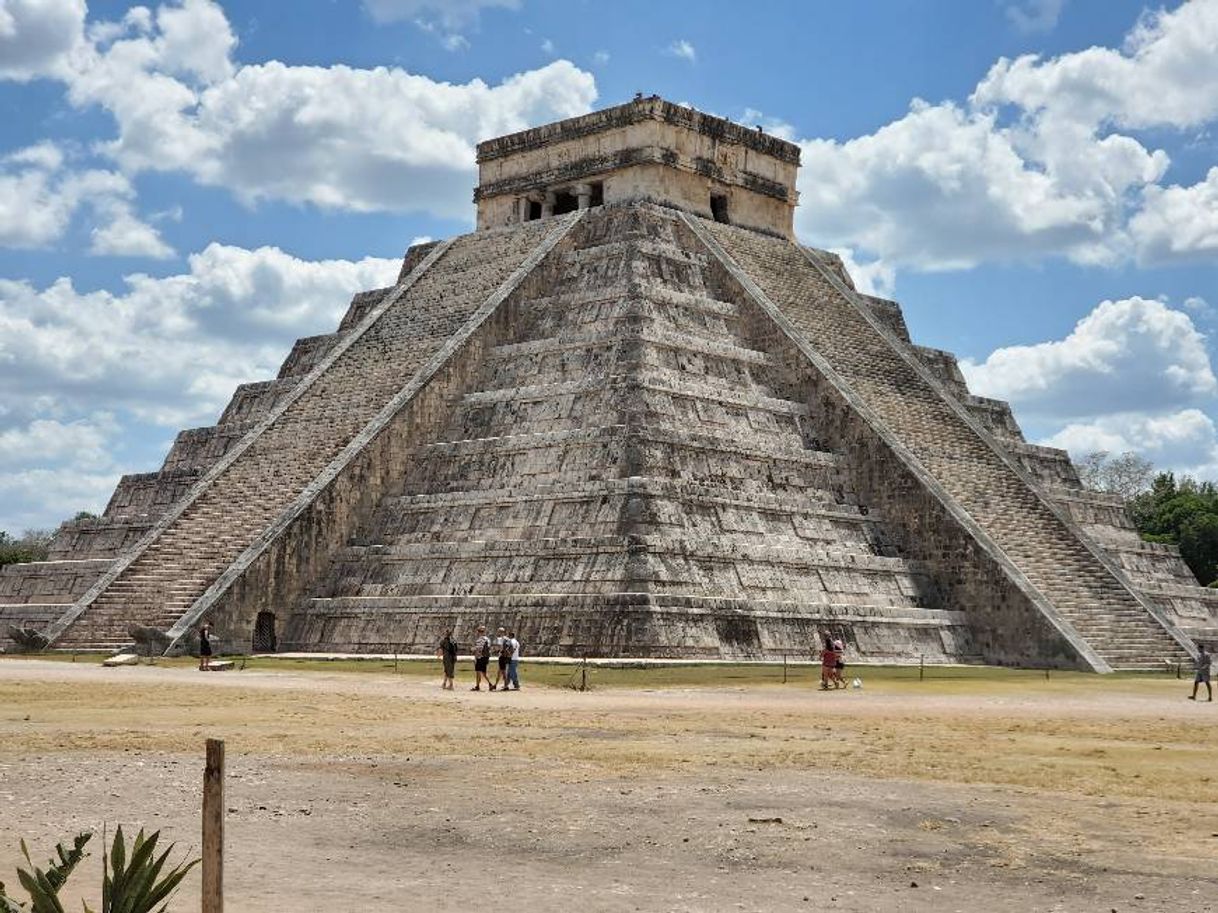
784,667
921,666
213,828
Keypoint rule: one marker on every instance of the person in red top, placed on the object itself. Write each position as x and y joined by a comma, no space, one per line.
828,662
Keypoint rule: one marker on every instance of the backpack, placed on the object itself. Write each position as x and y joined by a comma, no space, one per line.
486,648
505,649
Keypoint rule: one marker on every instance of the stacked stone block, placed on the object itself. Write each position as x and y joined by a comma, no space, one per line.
1082,597
307,422
627,454
622,479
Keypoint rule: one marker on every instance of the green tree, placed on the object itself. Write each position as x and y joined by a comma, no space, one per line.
30,546
1183,512
1199,545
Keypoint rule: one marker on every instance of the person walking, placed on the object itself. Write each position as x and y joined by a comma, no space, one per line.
1204,661
205,647
482,659
828,662
447,651
514,662
503,650
839,663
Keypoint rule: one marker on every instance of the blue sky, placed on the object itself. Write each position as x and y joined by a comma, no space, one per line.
187,187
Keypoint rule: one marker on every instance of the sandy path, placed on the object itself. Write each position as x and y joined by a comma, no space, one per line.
374,792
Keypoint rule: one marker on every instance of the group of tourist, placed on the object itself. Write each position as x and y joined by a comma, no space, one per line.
504,647
832,662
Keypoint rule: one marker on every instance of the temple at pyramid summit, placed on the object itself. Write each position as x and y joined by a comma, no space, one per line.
628,415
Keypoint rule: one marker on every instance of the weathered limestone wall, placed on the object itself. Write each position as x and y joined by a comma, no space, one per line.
616,481
1077,588
1003,627
301,550
55,582
1156,568
648,149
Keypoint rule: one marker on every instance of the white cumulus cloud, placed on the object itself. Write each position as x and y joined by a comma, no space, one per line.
83,374
1184,441
40,196
1178,223
38,36
1132,355
170,349
1040,162
336,137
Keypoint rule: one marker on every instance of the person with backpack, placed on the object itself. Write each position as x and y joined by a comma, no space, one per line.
482,659
503,650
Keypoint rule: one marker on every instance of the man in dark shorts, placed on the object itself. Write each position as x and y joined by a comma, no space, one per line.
482,659
503,650
1204,660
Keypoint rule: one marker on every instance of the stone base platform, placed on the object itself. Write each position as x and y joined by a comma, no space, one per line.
659,626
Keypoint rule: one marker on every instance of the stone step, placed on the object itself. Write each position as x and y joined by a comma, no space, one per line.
289,450
883,376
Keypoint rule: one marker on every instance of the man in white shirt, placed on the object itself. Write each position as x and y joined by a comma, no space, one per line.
513,676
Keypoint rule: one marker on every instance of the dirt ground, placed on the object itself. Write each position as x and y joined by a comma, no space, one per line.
371,792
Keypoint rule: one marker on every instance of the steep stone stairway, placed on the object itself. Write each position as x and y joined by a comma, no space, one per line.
622,458
258,479
1090,594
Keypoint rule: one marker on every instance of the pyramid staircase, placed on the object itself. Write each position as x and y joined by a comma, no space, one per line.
171,576
1073,583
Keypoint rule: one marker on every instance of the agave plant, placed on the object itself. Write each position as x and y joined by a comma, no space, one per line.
43,887
134,880
141,883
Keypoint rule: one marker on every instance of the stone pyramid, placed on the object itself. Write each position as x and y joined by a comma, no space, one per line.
627,416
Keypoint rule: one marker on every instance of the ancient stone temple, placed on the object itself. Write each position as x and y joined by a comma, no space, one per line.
629,415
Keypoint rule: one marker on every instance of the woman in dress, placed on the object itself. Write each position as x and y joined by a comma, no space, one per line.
205,647
448,655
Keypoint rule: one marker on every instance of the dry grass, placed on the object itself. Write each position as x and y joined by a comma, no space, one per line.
1018,774
1073,733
